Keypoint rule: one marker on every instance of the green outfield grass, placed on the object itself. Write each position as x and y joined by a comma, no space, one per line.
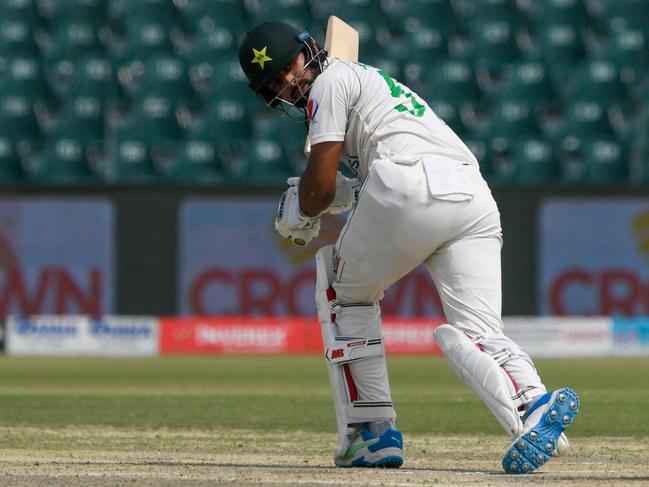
291,393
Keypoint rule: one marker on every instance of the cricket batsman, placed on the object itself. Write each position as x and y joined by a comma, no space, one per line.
418,197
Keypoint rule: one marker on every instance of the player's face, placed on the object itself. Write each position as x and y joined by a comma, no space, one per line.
292,83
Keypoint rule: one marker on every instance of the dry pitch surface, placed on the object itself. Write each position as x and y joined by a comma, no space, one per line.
106,456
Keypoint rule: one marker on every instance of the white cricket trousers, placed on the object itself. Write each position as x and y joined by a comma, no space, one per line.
398,225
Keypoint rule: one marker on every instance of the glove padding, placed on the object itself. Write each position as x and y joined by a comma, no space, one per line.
290,223
346,193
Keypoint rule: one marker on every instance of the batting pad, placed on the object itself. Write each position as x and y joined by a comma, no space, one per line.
482,374
340,352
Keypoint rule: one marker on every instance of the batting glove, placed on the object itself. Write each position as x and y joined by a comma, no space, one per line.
290,223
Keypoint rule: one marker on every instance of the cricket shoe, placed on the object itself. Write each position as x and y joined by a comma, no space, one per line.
368,450
544,422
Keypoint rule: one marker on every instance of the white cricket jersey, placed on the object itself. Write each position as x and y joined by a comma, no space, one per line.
377,118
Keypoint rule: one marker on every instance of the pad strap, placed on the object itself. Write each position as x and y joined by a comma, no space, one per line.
349,349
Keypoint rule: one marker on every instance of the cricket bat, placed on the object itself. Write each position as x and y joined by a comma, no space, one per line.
341,41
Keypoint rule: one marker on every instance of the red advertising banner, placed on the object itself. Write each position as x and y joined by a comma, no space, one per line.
244,335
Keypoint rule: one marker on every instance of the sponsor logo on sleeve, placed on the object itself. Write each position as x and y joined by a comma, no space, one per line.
311,109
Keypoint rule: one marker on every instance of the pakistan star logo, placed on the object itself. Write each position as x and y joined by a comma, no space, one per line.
260,57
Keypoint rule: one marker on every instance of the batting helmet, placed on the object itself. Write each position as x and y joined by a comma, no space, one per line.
267,50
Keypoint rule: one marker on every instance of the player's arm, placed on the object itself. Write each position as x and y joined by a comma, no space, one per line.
318,182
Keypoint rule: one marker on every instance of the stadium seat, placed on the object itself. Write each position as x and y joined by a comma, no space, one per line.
131,156
529,82
203,16
423,47
158,117
66,158
592,160
18,121
474,12
72,37
452,81
208,50
195,160
598,81
512,119
84,116
495,43
535,162
409,16
22,10
450,114
606,160
587,118
54,11
23,75
10,168
167,76
573,12
90,75
268,163
17,38
295,12
234,159
626,14
142,39
561,47
627,49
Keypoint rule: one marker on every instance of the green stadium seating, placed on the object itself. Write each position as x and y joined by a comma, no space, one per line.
295,12
268,162
587,118
16,38
529,82
451,115
195,160
235,157
573,12
452,81
131,156
91,75
626,14
22,10
494,43
156,116
23,75
142,39
207,52
409,16
628,49
606,160
167,76
66,158
18,121
200,15
535,161
598,81
10,167
422,48
592,160
84,116
542,91
512,119
561,47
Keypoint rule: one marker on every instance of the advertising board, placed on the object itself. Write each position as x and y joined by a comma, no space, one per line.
594,257
56,256
232,262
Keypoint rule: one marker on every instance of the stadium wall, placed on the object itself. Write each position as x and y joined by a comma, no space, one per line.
136,336
143,250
